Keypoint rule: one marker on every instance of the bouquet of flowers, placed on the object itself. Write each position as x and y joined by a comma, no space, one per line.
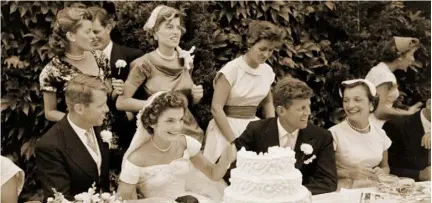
87,197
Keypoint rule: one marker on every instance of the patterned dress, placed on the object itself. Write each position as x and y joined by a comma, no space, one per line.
57,73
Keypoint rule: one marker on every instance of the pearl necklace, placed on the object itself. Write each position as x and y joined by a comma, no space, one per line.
74,57
366,129
169,58
162,150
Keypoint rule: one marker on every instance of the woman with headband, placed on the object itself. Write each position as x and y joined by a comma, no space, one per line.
166,68
73,42
397,54
360,146
160,158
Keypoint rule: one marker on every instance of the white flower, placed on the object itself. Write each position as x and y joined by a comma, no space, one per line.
306,148
187,55
308,161
107,137
50,199
120,64
85,197
95,198
105,196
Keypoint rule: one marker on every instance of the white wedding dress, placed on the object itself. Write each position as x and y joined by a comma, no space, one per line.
173,180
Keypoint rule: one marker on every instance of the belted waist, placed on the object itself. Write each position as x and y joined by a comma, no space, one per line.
240,111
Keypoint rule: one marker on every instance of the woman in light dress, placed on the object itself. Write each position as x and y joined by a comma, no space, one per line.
360,145
160,158
397,54
240,87
166,68
12,181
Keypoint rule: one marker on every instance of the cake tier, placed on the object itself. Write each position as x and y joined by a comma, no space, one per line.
302,196
274,163
284,185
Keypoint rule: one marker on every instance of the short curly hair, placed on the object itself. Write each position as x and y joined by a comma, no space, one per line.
167,13
68,19
168,100
373,99
264,30
289,89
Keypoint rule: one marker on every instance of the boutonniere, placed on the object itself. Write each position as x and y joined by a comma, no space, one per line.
307,149
187,56
120,64
107,137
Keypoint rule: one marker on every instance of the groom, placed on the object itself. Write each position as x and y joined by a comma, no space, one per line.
291,129
71,156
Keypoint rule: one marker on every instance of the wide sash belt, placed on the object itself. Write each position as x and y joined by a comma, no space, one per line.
245,112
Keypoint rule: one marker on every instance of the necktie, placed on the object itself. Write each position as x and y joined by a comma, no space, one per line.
288,142
91,141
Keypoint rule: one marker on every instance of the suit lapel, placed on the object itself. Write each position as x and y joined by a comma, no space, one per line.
77,152
113,58
304,137
271,136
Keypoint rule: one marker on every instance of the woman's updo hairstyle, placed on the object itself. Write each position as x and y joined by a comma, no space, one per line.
67,20
168,100
161,14
264,30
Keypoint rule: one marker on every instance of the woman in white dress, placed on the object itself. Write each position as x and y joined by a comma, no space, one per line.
360,145
12,180
159,160
397,54
240,87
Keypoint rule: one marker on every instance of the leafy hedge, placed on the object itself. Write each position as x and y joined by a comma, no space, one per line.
327,43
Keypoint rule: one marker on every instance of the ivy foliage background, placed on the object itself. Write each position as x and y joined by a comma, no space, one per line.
327,42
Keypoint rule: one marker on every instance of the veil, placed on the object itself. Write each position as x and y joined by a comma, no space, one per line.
141,135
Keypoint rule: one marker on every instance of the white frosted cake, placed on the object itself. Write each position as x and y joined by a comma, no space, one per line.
266,178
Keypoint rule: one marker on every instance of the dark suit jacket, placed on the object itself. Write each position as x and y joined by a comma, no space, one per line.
63,162
406,156
318,176
124,128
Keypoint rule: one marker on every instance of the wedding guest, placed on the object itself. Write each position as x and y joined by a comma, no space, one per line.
12,181
166,68
73,42
397,54
72,156
409,155
119,58
360,145
159,159
291,128
241,86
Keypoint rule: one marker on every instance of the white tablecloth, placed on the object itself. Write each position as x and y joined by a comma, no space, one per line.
354,195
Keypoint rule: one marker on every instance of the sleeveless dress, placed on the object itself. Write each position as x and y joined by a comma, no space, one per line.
249,86
354,149
10,170
155,75
166,181
378,75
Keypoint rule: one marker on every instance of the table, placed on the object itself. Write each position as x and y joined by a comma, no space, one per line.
354,195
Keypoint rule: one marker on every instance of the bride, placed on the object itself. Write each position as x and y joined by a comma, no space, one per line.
160,160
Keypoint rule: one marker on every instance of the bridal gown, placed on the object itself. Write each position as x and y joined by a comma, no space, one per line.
168,181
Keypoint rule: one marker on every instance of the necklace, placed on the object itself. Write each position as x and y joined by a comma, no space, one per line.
74,57
169,58
162,150
366,129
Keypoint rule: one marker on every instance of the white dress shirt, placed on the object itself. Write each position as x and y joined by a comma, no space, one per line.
426,124
285,138
108,49
81,134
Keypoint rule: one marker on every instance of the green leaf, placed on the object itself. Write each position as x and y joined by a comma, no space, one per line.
44,9
14,6
22,10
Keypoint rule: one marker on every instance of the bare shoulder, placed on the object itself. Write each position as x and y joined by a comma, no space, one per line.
141,157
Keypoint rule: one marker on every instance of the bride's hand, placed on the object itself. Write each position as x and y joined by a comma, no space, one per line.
230,153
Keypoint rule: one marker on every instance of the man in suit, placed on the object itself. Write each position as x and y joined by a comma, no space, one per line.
291,98
72,156
124,125
409,154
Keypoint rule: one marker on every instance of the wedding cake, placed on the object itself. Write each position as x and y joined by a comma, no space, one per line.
266,178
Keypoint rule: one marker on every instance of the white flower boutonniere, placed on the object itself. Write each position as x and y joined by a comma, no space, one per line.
306,148
120,64
107,137
308,161
187,55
